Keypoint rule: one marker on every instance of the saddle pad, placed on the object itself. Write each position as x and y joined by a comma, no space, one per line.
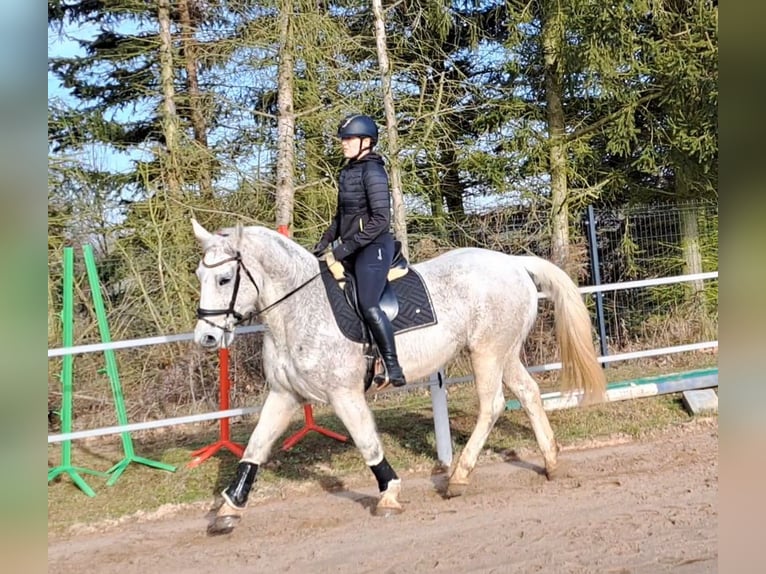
415,307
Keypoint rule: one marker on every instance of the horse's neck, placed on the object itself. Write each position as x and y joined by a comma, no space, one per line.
284,263
287,269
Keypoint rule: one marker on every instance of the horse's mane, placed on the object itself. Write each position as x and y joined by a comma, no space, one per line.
254,231
282,241
293,258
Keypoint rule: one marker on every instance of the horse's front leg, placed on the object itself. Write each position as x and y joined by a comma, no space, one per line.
353,410
276,413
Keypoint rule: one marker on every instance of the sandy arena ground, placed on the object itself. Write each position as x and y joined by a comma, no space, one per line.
624,507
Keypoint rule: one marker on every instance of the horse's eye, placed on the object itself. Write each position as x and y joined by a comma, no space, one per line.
223,281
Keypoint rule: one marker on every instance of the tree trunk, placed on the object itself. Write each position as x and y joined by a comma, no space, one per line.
169,117
435,198
397,197
690,243
285,187
199,125
552,38
692,253
451,188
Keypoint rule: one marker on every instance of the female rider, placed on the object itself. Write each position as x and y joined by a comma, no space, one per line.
362,223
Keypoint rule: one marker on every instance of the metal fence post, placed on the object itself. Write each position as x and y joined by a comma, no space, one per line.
441,418
595,266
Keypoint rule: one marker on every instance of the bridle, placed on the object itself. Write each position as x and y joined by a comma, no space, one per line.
203,314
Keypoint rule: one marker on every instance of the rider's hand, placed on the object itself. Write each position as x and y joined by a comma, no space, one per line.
319,249
340,252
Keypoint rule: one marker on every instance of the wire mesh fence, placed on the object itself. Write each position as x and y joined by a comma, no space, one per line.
645,242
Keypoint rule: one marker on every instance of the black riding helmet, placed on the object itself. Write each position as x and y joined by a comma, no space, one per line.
358,126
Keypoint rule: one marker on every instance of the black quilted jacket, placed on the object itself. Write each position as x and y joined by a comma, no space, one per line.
364,203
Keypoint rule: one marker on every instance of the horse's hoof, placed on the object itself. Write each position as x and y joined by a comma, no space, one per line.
455,490
552,473
560,470
223,525
388,511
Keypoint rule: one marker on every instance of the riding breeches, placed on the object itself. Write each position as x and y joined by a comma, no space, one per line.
371,266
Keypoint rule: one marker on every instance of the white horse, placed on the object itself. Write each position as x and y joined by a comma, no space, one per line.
485,303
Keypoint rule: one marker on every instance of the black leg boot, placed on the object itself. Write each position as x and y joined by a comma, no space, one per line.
383,333
237,492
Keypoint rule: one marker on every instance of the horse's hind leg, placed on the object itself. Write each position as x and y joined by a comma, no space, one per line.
526,389
487,372
353,410
274,419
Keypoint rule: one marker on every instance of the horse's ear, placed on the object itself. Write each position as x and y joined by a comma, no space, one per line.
202,234
239,232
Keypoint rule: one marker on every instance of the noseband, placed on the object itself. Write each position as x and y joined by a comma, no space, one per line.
203,314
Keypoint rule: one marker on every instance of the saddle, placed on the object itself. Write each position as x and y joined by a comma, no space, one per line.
347,282
389,303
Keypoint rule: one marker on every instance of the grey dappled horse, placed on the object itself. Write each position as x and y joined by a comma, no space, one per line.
485,303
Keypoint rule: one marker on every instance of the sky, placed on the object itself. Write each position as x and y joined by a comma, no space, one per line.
66,46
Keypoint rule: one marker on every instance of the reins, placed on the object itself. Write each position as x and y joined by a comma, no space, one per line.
203,314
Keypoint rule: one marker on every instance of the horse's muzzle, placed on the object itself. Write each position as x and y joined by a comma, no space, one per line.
208,341
210,337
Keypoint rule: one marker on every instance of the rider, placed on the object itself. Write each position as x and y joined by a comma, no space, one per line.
362,222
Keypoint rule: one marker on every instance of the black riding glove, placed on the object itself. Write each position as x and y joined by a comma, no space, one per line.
340,252
319,249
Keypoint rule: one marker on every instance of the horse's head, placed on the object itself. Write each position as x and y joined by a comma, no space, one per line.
227,289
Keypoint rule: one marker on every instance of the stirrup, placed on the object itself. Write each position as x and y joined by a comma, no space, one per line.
382,380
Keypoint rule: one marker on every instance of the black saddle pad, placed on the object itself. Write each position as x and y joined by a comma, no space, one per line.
415,307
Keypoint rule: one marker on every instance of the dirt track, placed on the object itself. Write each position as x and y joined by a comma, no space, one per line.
639,507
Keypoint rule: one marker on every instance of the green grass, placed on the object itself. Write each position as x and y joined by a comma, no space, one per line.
404,421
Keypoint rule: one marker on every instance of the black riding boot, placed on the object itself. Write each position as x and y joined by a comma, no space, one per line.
383,333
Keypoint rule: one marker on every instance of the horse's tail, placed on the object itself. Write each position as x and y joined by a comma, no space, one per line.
580,370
